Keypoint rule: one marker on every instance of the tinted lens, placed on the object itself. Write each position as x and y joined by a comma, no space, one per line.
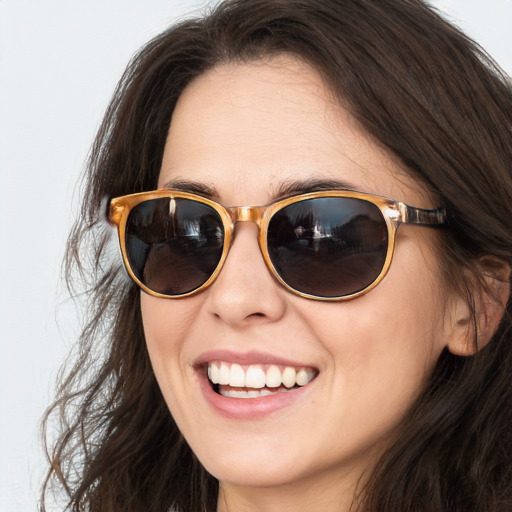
328,247
173,245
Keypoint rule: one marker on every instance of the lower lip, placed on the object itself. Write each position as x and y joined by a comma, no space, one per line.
249,408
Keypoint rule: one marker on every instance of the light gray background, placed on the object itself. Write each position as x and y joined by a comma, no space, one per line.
59,63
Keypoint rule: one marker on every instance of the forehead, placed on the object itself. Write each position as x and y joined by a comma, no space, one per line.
247,129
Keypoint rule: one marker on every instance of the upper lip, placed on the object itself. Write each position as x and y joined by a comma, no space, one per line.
247,358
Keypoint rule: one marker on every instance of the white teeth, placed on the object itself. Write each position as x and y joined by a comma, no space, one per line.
273,377
213,373
289,375
234,393
250,393
223,374
237,376
302,377
256,378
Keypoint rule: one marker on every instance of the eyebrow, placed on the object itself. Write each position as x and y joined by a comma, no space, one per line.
293,187
285,189
194,187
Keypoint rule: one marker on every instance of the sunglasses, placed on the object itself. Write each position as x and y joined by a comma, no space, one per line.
328,245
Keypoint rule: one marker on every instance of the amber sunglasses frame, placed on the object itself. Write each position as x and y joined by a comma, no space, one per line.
393,212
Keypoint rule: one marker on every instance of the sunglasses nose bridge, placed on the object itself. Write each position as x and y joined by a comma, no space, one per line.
247,214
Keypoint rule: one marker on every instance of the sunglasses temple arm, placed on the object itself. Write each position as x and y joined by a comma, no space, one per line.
412,215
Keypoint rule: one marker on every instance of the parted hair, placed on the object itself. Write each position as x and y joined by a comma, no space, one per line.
426,93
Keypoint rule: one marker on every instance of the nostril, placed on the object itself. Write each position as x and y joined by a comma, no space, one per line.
255,316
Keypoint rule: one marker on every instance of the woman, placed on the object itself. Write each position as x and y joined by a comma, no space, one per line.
360,357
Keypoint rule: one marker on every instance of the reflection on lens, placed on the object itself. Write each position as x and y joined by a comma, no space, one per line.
328,247
173,245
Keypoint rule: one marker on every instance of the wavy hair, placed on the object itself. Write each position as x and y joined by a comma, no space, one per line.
424,91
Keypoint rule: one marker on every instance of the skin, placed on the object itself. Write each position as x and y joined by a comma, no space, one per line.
245,130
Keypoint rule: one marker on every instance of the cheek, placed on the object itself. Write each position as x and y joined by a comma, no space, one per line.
375,345
166,324
385,344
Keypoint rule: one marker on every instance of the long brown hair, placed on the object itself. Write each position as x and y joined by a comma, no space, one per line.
425,92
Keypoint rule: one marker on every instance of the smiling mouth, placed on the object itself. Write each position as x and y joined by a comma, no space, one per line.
254,381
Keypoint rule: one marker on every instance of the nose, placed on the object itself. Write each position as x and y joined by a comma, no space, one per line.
245,292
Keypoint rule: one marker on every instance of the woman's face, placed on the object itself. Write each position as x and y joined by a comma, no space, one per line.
243,133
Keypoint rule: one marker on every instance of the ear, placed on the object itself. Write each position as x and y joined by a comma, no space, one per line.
488,290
